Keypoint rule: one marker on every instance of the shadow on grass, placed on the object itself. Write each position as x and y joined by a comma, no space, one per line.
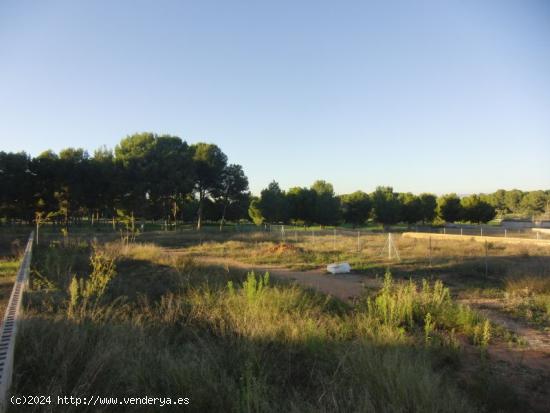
164,348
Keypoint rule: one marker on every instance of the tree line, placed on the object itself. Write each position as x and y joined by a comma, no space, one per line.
161,177
146,176
319,204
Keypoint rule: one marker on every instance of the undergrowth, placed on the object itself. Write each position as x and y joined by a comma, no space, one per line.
234,342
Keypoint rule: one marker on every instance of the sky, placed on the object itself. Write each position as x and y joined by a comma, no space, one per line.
425,96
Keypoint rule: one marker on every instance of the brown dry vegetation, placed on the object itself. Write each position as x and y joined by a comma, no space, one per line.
168,323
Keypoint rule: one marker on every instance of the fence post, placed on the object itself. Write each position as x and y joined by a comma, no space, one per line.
481,231
334,240
430,250
505,233
358,241
486,263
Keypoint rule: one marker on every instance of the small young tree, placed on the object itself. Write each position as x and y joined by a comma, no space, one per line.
255,212
41,216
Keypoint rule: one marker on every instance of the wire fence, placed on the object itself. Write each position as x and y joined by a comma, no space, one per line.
488,231
286,232
312,247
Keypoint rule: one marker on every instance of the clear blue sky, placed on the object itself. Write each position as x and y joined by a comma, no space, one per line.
439,96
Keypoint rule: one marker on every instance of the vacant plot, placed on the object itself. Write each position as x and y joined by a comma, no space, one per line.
169,318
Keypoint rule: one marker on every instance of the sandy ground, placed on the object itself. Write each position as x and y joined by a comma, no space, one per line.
345,287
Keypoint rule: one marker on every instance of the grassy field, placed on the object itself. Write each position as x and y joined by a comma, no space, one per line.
148,319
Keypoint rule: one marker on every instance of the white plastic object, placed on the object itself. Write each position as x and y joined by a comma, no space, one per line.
339,268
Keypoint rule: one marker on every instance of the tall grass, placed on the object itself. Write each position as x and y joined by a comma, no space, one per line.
528,297
234,342
406,306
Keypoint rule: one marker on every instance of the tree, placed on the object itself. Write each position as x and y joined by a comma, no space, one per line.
147,176
429,207
48,174
301,204
477,210
170,175
76,177
534,202
327,206
498,201
386,205
356,207
209,163
512,200
106,183
238,209
41,216
450,208
255,212
155,175
273,204
234,187
411,208
132,155
17,183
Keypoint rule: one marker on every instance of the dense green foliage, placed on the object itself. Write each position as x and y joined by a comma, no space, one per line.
319,205
450,208
147,176
356,207
163,178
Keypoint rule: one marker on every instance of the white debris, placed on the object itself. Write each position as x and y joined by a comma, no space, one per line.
339,268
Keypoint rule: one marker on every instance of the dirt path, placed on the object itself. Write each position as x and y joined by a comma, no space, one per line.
345,287
536,353
493,309
525,368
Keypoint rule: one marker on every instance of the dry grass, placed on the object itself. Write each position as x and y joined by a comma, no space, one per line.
230,342
470,268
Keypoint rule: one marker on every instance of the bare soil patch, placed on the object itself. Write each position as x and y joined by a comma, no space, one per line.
345,287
